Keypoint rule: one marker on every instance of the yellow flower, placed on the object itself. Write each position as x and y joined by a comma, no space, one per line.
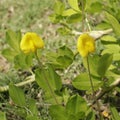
105,114
31,42
85,44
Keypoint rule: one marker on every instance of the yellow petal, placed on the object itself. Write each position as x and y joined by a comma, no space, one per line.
31,42
85,44
105,114
38,42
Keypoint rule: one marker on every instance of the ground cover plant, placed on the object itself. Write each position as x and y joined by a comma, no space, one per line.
60,61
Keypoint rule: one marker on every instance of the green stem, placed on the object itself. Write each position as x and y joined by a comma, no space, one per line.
39,62
87,22
83,16
52,93
91,82
46,80
93,91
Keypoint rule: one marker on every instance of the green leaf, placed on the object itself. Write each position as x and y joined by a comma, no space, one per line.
72,117
32,107
65,56
66,95
77,106
50,82
76,117
114,23
59,7
65,51
58,112
68,12
2,116
112,49
52,56
31,117
82,4
74,18
62,58
93,64
63,31
95,7
23,61
115,114
88,4
111,74
104,63
74,4
49,98
13,39
116,57
55,18
9,54
108,38
102,26
17,95
47,76
82,82
64,61
90,116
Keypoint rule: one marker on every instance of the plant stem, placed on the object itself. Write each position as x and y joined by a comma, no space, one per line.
28,80
93,91
46,80
105,91
87,22
39,62
91,82
83,16
52,93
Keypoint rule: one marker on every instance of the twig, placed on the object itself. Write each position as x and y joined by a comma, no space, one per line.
95,34
107,90
93,91
28,80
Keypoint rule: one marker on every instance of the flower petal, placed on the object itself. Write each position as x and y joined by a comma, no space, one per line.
31,42
85,44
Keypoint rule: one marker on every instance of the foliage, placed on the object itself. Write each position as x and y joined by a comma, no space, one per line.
97,79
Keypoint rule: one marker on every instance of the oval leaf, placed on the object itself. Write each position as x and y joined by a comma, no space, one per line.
2,116
17,95
82,82
58,112
104,63
74,18
115,114
59,7
48,78
114,23
76,105
13,39
93,64
74,4
68,12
